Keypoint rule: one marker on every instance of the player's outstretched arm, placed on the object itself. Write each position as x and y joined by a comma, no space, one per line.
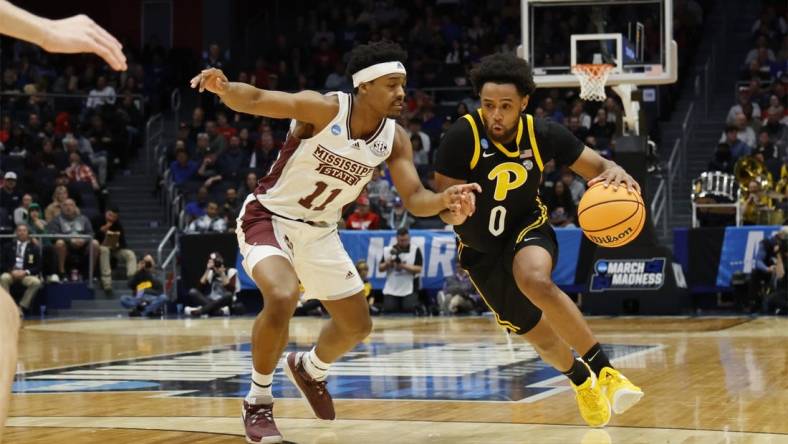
69,35
420,201
595,169
305,106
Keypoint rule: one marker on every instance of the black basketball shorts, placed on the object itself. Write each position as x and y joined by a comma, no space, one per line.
491,274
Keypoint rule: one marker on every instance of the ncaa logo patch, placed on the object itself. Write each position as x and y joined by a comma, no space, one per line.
484,144
336,129
379,148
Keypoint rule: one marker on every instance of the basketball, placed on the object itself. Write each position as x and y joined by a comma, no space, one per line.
611,217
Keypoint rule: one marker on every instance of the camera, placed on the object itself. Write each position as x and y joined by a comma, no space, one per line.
218,263
148,265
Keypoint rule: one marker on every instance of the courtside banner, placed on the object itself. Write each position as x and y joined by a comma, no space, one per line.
439,251
739,247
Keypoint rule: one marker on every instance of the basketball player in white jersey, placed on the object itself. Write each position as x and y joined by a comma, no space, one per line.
69,35
287,227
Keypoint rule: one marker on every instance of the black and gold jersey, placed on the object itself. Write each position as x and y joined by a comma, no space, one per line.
509,175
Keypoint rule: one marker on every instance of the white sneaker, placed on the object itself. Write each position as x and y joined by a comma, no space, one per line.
225,310
189,310
54,279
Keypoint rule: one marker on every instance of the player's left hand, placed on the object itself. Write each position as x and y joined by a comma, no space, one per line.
81,34
460,199
616,176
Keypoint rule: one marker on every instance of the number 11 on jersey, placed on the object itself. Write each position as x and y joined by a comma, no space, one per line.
320,187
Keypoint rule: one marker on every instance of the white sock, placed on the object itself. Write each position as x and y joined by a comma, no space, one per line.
316,368
260,389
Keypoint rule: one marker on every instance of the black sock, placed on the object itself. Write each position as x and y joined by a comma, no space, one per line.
578,373
596,359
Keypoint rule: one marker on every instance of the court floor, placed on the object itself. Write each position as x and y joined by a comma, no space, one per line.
415,380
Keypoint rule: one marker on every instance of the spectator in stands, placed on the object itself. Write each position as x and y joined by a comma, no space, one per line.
21,213
111,235
197,124
147,296
79,172
421,157
777,131
575,186
601,128
745,133
379,191
758,96
223,126
85,150
196,208
202,146
231,162
723,159
218,287
70,222
399,217
766,270
182,169
210,222
249,185
208,171
573,123
10,197
761,47
363,218
216,140
561,197
753,202
101,139
744,101
263,154
231,207
402,263
414,128
766,155
102,94
338,80
613,110
737,147
59,196
21,262
559,218
552,112
458,295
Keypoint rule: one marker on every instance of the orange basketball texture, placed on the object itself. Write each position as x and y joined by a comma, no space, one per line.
611,217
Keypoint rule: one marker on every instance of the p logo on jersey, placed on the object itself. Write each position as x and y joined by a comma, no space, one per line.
507,176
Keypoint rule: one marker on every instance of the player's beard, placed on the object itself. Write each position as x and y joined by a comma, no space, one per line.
507,136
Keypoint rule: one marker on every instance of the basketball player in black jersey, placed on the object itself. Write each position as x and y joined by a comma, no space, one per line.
507,244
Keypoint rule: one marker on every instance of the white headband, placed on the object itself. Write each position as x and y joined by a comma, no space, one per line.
373,72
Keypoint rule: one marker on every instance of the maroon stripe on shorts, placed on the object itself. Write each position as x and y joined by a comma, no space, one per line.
268,182
257,225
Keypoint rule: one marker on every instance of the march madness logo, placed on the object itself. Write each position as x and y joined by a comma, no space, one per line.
628,274
477,371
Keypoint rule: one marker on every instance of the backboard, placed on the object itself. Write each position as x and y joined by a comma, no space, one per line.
635,36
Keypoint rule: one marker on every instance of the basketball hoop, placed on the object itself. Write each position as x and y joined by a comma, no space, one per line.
592,78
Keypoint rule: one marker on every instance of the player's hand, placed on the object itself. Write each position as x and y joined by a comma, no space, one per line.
81,34
211,79
616,176
460,199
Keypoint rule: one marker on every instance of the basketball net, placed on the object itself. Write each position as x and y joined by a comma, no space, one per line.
593,77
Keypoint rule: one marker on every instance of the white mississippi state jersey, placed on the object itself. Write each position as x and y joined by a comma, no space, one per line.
314,178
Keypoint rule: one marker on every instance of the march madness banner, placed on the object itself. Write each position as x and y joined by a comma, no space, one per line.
439,250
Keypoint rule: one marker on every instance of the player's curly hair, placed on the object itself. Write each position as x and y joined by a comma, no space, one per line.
373,53
504,68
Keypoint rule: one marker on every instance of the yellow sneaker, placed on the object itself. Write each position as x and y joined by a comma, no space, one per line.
594,406
621,393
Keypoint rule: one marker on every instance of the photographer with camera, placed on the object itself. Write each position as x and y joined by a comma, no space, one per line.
768,281
148,292
219,284
403,263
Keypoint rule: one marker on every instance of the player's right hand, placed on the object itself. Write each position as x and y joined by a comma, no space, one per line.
460,199
211,79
